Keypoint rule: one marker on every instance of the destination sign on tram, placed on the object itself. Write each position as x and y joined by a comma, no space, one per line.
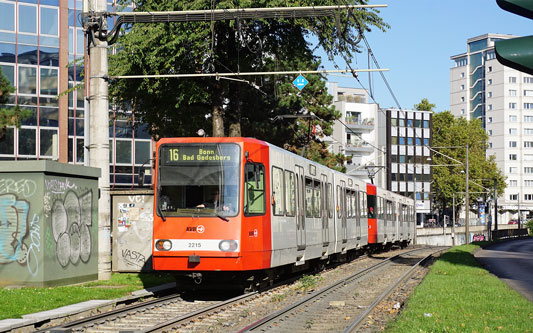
195,154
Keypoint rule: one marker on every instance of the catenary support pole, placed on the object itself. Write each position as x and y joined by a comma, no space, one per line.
99,132
467,200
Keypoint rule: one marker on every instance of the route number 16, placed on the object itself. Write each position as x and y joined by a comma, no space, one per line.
174,156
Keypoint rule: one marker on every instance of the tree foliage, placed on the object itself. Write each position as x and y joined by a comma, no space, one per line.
242,106
9,116
449,131
424,105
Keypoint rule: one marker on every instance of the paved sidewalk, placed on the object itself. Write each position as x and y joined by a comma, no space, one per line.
511,261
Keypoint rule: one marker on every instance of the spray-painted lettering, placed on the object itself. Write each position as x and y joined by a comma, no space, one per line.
58,186
22,187
133,258
35,246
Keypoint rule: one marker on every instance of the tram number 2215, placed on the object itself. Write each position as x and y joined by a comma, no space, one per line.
194,245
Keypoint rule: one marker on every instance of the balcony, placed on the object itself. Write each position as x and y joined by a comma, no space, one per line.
358,146
355,123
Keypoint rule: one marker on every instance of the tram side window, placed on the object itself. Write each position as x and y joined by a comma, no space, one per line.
380,208
308,197
362,204
371,204
290,193
277,191
339,208
254,189
317,199
330,200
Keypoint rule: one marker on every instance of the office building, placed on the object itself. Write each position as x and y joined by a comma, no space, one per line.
502,97
42,48
406,135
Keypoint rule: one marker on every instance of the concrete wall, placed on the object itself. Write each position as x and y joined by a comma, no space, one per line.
48,223
132,222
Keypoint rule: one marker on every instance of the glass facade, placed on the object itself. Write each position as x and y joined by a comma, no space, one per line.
30,50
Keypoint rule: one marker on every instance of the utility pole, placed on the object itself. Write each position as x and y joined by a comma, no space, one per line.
453,220
467,200
495,205
99,124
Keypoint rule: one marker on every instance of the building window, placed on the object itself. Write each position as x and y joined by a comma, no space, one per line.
490,145
462,98
528,93
512,79
528,197
489,69
490,107
394,140
426,142
401,140
394,121
410,141
528,144
7,16
49,21
489,120
527,157
462,111
528,183
418,141
462,87
512,92
27,19
462,74
512,105
528,131
490,82
528,119
528,106
27,80
513,197
513,131
512,157
513,118
528,169
513,183
512,144
401,122
528,79
490,94
489,132
513,169
409,122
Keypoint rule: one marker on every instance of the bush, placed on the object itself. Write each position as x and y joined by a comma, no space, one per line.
529,225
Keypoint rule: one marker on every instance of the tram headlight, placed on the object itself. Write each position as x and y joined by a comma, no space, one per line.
228,245
163,245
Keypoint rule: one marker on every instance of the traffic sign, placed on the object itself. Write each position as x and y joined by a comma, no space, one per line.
300,82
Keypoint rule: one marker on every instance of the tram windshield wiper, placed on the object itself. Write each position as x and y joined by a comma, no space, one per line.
222,218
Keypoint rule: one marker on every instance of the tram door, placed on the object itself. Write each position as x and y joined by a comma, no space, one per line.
357,208
324,208
342,198
300,210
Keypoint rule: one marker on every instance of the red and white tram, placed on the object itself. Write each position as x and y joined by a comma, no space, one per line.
241,210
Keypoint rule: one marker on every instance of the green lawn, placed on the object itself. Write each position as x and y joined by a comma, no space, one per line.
460,296
16,302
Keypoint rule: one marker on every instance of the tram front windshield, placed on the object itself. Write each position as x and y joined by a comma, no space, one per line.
198,179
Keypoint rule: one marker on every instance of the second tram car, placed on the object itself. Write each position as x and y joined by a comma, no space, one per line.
245,211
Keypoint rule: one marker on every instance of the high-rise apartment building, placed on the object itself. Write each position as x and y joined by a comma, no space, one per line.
355,134
406,136
502,97
42,48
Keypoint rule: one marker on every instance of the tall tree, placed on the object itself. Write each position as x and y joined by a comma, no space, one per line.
454,134
424,105
242,107
9,115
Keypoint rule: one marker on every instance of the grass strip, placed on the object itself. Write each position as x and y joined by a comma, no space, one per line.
459,296
16,302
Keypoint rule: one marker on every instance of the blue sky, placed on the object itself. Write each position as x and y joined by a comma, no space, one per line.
417,47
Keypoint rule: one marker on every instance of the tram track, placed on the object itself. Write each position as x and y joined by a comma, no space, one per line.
332,308
174,313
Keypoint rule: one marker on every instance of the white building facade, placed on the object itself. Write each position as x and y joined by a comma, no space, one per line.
481,87
356,133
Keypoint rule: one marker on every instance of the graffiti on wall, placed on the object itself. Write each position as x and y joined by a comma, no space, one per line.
71,218
20,239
